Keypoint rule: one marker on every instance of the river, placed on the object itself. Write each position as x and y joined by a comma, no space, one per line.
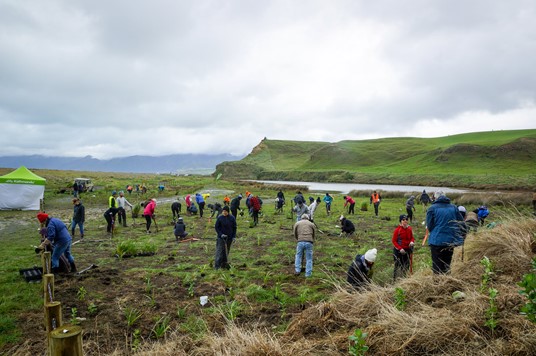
345,188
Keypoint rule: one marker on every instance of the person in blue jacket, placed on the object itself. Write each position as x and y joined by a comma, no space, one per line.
201,203
58,234
446,231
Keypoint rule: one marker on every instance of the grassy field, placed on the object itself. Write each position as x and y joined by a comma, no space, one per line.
131,300
497,159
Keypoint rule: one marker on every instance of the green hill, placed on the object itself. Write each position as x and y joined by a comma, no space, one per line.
495,159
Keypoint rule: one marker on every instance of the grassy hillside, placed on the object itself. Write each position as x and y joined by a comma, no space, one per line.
496,159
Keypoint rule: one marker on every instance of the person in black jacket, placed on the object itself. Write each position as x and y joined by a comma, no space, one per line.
360,271
235,205
180,230
109,215
226,229
347,226
176,208
79,216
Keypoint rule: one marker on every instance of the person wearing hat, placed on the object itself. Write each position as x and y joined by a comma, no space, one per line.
410,207
148,213
226,229
122,203
482,212
58,235
180,230
347,227
425,199
304,233
446,231
235,205
360,271
403,242
111,200
255,203
79,216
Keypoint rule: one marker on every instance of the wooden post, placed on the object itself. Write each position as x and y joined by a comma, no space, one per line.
48,288
53,316
66,340
46,259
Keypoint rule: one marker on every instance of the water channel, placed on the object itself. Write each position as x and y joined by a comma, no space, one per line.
344,188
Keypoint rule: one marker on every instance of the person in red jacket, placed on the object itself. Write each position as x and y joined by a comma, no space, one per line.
403,242
348,201
256,205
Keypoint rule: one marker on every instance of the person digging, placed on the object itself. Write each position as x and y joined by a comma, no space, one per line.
180,230
58,235
360,271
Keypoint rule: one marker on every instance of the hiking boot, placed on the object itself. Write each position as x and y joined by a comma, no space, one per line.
82,236
148,231
125,225
73,267
296,274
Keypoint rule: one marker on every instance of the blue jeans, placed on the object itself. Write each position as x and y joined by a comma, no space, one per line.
59,249
80,226
308,248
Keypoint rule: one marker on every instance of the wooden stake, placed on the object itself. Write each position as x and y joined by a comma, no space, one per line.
66,340
48,288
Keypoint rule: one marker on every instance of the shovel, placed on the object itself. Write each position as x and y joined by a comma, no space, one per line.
87,269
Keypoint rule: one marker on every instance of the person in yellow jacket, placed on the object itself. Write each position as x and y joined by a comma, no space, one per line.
111,200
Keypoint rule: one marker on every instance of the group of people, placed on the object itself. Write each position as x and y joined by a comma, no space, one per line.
446,229
446,224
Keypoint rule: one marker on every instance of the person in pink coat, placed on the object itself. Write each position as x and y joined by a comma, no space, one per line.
148,212
348,201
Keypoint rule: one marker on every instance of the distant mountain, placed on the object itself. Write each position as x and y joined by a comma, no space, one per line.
179,163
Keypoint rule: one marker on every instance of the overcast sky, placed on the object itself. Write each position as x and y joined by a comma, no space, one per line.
117,78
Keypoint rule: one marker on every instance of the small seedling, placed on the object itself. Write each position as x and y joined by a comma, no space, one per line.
136,340
528,283
148,286
358,344
181,312
232,310
81,293
491,313
161,327
487,276
132,315
74,314
400,299
92,309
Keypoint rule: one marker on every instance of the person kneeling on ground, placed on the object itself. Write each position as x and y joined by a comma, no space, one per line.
403,242
180,230
304,233
360,271
58,235
347,227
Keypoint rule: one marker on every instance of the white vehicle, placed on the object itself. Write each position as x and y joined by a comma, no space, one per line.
87,185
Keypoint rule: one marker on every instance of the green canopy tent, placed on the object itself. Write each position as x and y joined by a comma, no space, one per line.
21,189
